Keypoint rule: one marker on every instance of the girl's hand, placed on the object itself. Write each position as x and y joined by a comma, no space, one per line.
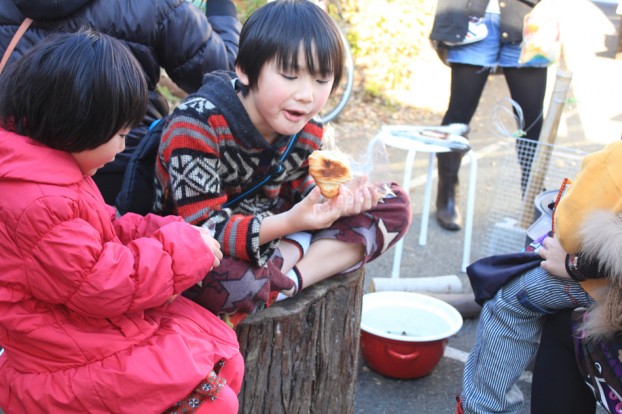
212,244
554,258
315,213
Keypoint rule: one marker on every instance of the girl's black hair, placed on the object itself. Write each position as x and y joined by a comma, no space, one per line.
278,29
73,91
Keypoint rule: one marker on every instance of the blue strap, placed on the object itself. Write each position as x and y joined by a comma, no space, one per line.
278,169
154,124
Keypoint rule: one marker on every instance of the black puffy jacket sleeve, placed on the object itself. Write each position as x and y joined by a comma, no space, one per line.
206,44
172,34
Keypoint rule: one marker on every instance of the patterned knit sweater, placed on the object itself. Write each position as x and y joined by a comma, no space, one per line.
211,152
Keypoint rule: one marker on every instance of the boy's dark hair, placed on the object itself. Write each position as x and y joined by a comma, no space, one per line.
278,29
73,91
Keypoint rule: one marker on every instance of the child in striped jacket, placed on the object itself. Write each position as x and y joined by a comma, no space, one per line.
241,126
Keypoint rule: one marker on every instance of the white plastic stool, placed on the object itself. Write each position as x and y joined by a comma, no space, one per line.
409,138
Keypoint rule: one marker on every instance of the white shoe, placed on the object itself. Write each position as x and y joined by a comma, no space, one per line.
476,31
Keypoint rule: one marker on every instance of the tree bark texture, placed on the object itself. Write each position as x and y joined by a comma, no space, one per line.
301,354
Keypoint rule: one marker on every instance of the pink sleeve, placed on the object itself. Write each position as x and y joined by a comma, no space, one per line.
131,226
109,279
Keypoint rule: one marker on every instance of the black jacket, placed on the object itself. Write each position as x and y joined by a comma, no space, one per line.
452,18
169,34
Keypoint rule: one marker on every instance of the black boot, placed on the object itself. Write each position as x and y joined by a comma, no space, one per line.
447,213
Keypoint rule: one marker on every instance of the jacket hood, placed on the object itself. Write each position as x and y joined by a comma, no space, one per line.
220,82
23,159
219,90
601,234
218,87
49,10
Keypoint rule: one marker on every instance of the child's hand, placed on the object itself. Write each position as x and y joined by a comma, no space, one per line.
554,257
211,243
360,196
315,212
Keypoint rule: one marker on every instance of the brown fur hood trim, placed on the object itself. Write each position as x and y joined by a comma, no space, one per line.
601,237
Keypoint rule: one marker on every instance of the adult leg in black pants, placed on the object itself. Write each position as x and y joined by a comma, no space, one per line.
467,84
527,88
558,387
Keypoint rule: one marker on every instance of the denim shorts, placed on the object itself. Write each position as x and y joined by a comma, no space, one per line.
489,52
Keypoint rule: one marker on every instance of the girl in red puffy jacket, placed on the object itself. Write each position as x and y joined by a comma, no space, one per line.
91,319
170,34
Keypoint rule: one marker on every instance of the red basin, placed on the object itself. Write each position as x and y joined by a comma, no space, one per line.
404,334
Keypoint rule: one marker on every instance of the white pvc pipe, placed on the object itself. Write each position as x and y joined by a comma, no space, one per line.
433,284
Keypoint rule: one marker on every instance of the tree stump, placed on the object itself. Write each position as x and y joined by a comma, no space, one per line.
301,354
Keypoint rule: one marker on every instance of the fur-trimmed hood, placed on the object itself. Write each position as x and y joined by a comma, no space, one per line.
601,236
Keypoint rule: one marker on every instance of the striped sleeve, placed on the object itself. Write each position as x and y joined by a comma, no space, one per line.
188,165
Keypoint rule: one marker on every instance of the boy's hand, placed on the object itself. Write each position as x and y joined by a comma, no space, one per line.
315,213
360,196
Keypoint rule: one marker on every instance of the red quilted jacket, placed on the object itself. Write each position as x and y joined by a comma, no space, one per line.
86,318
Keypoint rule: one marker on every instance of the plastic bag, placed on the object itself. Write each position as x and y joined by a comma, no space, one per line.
369,165
541,35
